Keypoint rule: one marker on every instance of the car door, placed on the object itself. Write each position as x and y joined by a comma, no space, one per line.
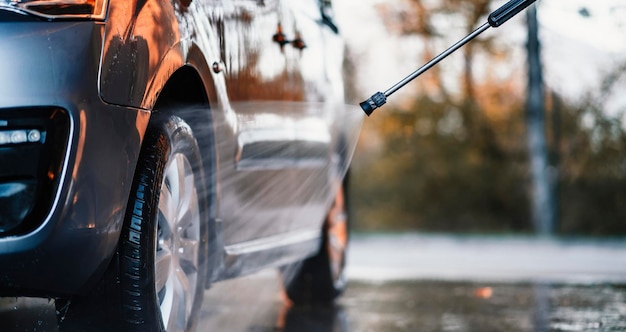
262,53
321,143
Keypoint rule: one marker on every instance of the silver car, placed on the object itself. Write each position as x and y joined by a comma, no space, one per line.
150,148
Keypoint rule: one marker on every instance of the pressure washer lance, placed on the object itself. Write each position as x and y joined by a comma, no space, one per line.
495,19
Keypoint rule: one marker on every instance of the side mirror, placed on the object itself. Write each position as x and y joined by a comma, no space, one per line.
326,10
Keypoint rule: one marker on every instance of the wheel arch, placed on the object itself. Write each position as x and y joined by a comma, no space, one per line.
188,94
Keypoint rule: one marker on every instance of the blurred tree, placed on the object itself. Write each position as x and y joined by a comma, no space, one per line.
430,177
423,18
592,172
426,176
454,159
417,17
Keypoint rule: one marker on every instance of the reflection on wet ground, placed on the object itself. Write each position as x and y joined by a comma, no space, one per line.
432,284
25,314
457,306
255,304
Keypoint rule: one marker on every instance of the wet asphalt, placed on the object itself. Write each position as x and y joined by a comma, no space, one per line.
423,283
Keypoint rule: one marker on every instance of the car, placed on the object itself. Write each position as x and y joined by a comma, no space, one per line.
151,148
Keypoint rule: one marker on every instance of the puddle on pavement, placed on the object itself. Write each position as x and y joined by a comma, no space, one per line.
256,304
456,306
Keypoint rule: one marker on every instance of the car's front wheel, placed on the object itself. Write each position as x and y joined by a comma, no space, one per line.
164,236
156,280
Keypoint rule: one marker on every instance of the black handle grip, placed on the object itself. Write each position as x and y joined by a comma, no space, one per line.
504,13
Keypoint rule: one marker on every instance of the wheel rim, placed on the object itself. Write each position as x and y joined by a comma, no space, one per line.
178,244
337,224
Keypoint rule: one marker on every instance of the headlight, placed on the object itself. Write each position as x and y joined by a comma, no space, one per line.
51,9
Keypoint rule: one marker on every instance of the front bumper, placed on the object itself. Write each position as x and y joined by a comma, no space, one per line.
33,145
60,241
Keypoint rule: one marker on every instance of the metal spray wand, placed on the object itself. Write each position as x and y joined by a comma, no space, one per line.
495,19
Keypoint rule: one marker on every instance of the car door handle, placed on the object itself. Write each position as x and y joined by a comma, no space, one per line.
298,42
281,39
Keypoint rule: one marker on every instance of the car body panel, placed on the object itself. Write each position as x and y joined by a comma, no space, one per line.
282,138
54,64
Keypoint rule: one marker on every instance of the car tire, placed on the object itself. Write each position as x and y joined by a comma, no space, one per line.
321,279
162,251
156,280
